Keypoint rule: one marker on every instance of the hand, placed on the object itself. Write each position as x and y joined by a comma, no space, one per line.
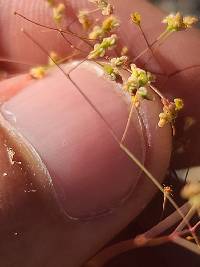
89,171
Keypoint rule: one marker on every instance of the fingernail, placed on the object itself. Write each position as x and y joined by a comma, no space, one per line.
91,175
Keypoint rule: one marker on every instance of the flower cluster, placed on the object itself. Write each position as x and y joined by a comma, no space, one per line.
112,69
107,26
118,61
191,192
177,22
100,48
170,111
138,81
104,6
84,19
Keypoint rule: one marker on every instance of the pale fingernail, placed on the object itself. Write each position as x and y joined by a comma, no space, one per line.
91,175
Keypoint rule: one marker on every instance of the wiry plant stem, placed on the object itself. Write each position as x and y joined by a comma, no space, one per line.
128,123
188,216
186,244
149,238
162,37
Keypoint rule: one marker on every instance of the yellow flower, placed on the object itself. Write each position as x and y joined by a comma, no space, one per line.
191,192
136,18
50,2
107,26
179,103
53,58
84,19
124,50
177,22
110,23
135,100
111,71
170,111
58,12
118,61
131,85
144,77
107,10
100,48
174,22
38,72
189,21
104,6
96,33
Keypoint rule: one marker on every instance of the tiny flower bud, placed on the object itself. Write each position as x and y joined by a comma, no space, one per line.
109,42
124,50
104,6
136,18
131,85
111,71
119,61
58,12
189,21
100,48
191,192
54,58
84,19
38,72
144,78
50,2
135,100
109,24
96,33
177,22
143,93
107,10
174,22
170,111
179,103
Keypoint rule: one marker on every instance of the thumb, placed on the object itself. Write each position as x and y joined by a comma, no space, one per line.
82,188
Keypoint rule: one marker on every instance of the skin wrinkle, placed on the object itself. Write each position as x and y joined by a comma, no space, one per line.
183,70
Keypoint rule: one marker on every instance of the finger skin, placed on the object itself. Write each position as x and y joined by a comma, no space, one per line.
70,241
171,54
108,225
11,33
10,87
56,232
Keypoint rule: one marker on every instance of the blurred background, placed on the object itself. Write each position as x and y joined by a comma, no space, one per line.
185,6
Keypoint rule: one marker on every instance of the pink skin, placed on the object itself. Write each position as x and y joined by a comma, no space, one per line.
172,54
46,237
52,227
